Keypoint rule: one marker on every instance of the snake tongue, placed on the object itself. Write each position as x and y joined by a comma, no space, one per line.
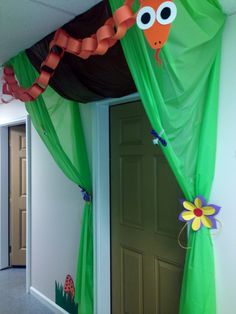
157,56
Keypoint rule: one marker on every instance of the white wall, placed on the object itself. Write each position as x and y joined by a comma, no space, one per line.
57,207
56,217
15,110
224,186
229,6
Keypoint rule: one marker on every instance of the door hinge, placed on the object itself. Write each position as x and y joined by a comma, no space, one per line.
9,248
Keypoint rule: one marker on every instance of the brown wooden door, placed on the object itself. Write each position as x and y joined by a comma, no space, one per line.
147,262
17,148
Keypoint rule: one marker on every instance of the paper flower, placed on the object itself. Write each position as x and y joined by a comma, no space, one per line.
199,213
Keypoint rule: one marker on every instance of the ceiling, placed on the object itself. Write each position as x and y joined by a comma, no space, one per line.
24,22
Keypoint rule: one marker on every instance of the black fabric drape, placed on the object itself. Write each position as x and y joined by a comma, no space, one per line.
97,77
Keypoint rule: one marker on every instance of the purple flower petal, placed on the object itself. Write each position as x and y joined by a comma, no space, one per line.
213,221
182,201
217,209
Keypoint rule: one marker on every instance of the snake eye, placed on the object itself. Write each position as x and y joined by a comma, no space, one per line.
145,18
166,13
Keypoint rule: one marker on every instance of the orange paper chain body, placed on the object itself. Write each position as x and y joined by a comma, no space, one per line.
106,36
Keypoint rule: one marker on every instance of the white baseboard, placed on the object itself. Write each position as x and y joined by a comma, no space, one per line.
46,301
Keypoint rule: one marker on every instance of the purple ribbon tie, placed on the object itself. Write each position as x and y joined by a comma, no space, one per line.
158,137
86,196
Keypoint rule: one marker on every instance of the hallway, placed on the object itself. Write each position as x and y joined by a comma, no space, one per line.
13,298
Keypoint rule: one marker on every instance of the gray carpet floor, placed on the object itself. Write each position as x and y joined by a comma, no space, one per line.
13,298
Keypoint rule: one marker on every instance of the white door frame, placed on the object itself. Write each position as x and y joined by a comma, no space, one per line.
4,195
101,201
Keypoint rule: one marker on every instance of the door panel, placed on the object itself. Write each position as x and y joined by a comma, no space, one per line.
167,281
131,281
146,259
17,147
131,202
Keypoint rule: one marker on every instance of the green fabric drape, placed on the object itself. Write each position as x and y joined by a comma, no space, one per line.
58,123
181,97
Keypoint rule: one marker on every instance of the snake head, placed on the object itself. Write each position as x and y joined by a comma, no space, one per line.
155,18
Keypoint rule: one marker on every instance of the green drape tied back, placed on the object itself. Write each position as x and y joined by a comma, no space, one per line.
181,97
58,123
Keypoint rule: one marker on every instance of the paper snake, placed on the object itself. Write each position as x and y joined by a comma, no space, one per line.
154,17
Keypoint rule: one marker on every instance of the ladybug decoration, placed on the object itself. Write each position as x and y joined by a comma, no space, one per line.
69,286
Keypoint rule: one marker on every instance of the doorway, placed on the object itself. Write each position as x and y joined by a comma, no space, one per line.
24,212
146,261
17,196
